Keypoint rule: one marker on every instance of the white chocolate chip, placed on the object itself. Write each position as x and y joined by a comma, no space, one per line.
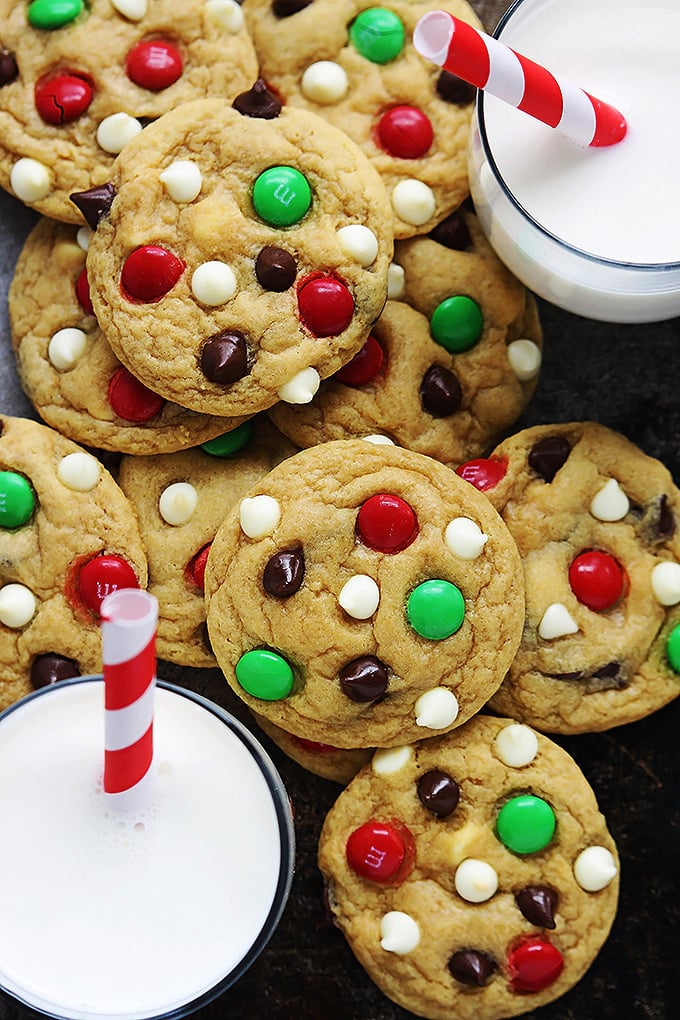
301,388
476,881
595,868
79,471
177,503
134,10
396,282
83,237
413,201
324,82
464,538
389,760
525,359
358,243
66,347
116,131
17,605
610,503
436,709
182,180
259,515
360,597
30,180
556,622
213,283
516,745
225,14
378,440
666,583
399,933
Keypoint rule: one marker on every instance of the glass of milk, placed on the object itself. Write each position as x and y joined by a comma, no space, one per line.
115,914
595,231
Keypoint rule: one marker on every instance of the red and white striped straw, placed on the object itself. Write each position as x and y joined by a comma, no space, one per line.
494,67
129,619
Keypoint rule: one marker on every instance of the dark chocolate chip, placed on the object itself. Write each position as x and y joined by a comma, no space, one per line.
224,358
611,677
258,101
453,89
666,521
9,71
538,903
284,573
453,232
440,392
94,203
284,8
438,792
50,668
547,456
275,268
364,679
472,967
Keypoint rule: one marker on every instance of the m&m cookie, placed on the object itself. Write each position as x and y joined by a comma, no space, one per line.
596,524
79,80
68,537
473,874
337,764
181,499
68,370
354,63
361,595
449,366
241,254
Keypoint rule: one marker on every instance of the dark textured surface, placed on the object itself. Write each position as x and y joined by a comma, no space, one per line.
624,377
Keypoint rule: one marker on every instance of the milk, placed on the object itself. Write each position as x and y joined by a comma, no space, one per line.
114,913
596,231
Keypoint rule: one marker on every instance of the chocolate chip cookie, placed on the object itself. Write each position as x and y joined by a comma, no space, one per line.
473,874
362,595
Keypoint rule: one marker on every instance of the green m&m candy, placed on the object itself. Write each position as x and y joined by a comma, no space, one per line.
50,14
435,609
17,500
281,196
673,648
229,442
264,674
457,323
378,35
525,824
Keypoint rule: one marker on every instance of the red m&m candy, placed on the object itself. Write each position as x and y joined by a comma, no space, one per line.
325,304
364,366
102,575
153,64
386,523
534,964
130,399
83,293
149,273
62,98
484,473
597,580
194,571
405,131
380,851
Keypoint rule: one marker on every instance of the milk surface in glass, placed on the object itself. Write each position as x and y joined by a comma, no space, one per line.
619,205
108,913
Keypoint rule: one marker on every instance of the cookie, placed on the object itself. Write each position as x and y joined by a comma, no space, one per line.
338,764
68,537
354,63
181,499
448,368
67,368
78,81
595,521
361,595
265,277
473,874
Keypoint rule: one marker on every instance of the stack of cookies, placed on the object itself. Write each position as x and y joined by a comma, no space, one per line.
278,367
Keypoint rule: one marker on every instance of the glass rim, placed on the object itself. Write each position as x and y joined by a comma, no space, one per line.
285,827
632,267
